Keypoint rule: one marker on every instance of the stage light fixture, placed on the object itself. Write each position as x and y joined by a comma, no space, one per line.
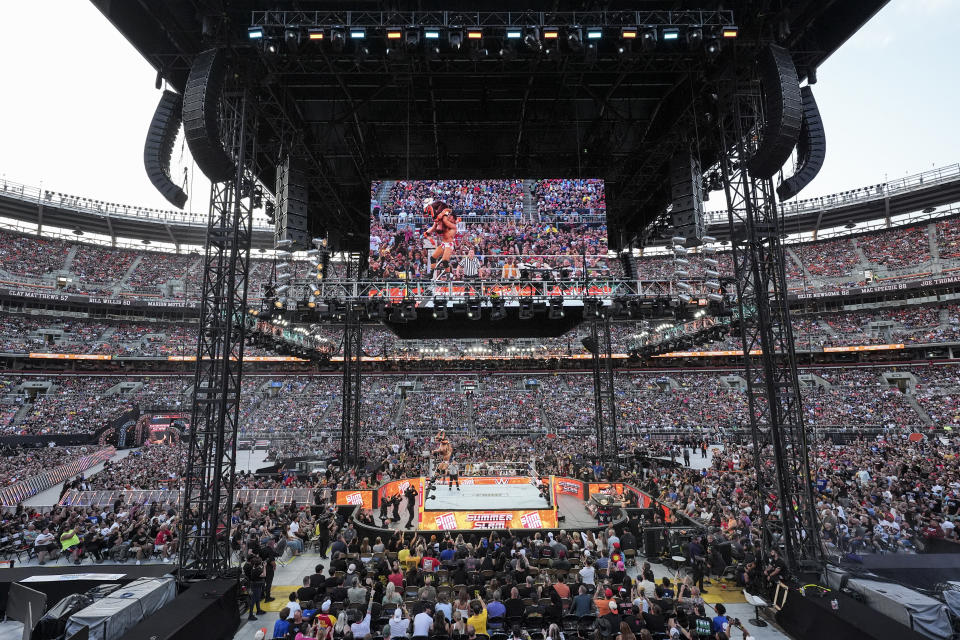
497,312
473,309
514,34
315,34
628,33
455,38
532,40
396,314
712,48
358,34
394,34
408,310
475,34
255,33
575,39
526,308
591,308
439,309
730,32
556,309
594,34
431,34
551,33
292,38
648,39
671,34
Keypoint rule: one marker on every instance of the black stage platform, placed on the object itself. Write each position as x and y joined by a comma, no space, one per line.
56,590
207,609
814,617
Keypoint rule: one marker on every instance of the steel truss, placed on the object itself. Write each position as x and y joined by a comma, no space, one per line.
466,19
604,407
770,368
350,425
204,528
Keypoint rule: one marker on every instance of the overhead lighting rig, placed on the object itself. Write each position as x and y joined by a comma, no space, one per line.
432,35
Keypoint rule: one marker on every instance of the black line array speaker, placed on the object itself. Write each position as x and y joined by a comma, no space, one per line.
651,538
292,204
686,188
811,148
783,113
159,146
201,115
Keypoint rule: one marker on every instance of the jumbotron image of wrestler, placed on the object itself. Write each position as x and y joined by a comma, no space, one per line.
445,227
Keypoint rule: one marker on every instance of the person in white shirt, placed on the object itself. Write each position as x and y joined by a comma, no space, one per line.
587,573
293,605
422,623
398,624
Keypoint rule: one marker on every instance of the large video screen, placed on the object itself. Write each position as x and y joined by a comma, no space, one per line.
490,230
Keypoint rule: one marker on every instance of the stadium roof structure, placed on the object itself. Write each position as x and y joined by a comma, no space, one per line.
366,91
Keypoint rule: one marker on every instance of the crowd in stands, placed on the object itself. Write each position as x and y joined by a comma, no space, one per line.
504,250
473,197
828,259
19,464
569,196
19,333
30,255
159,268
831,264
99,265
897,248
948,238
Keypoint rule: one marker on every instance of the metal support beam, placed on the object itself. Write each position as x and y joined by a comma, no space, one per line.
204,528
782,468
350,425
605,411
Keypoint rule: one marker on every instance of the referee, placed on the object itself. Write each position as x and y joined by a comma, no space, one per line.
471,265
453,473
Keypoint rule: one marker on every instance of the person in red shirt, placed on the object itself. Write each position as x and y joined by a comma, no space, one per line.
429,563
932,530
164,543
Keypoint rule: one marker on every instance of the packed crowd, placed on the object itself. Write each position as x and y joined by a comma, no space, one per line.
653,401
99,265
474,197
18,463
494,251
948,238
897,248
550,246
566,197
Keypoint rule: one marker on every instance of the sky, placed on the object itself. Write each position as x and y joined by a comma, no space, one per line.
78,99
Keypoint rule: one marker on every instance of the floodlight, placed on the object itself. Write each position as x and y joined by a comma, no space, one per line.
255,33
